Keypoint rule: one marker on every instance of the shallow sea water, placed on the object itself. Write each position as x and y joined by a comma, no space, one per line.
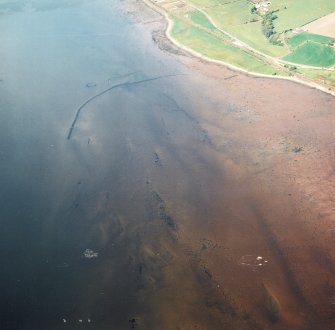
76,215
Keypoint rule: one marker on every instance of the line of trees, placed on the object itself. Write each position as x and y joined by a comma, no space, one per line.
268,27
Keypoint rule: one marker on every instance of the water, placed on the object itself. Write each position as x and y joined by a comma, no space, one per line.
118,208
98,191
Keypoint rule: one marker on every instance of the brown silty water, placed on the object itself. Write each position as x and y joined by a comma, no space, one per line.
221,230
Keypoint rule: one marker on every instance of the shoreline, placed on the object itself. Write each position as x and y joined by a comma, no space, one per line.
167,32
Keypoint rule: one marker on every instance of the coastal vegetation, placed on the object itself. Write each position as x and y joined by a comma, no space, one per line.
199,18
258,36
311,49
213,47
296,13
313,54
326,77
301,38
266,31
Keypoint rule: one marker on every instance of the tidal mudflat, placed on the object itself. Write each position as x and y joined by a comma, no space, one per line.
202,199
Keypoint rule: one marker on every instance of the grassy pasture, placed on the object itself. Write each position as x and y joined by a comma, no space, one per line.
199,18
301,38
325,75
235,17
299,12
252,34
312,53
215,48
233,13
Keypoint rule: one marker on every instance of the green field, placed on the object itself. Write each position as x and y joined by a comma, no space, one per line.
235,17
326,76
199,18
215,48
299,12
202,26
301,38
314,54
